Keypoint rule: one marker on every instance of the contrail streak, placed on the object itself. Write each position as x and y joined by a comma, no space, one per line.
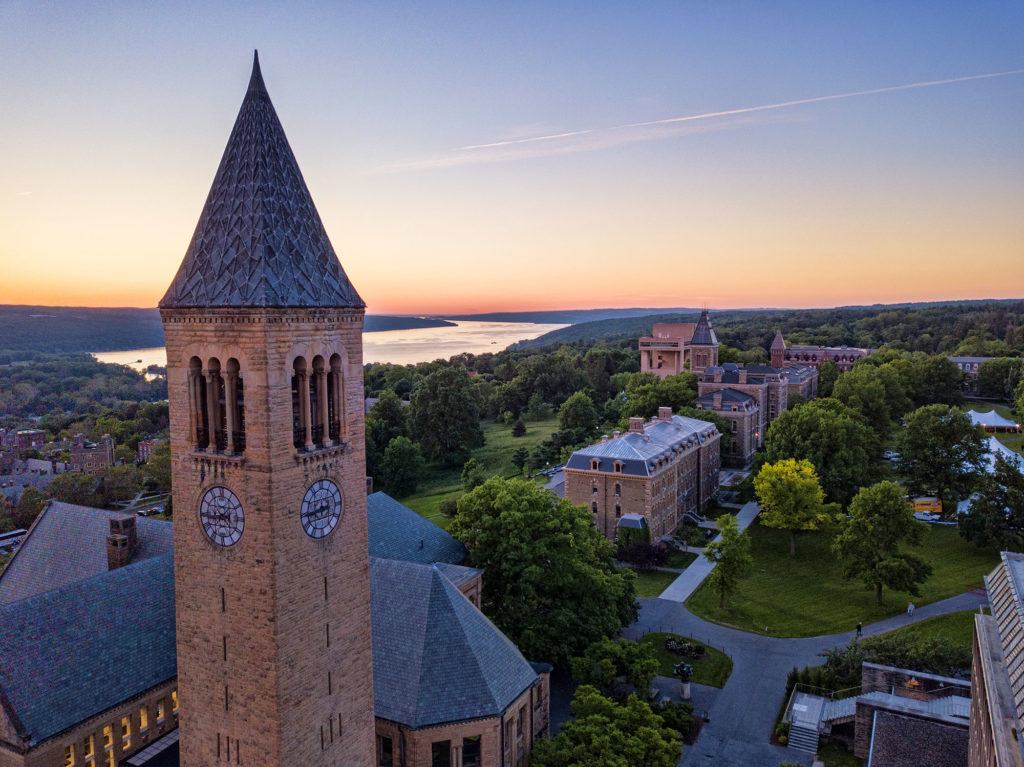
742,110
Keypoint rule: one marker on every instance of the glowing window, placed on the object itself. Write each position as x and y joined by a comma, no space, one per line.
69,756
108,736
126,732
161,711
89,751
174,701
143,718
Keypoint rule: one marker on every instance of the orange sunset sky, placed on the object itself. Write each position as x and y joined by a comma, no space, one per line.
488,160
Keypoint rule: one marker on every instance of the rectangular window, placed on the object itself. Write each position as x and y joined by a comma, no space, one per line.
161,711
89,747
385,752
108,736
126,732
111,761
519,721
441,754
471,751
174,701
69,756
143,719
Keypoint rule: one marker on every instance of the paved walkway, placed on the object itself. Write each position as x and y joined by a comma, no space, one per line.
682,587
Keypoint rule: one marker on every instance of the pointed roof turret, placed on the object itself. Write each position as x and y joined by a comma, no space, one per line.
778,342
259,241
704,334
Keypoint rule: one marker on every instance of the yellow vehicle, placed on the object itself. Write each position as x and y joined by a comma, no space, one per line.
929,504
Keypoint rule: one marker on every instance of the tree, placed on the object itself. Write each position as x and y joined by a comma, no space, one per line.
28,507
1000,377
1020,398
120,483
402,467
996,516
386,420
791,498
603,733
828,373
939,380
616,667
868,544
552,583
730,553
876,393
158,467
74,487
941,452
445,417
645,393
844,450
519,428
472,475
578,415
519,458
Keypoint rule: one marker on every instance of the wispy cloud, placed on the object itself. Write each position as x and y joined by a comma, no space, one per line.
588,139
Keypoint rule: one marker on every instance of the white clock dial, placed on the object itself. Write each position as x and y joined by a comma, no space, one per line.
222,517
321,509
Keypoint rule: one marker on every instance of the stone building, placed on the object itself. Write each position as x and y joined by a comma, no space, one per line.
674,348
997,684
843,356
659,470
744,416
970,367
145,447
92,457
767,386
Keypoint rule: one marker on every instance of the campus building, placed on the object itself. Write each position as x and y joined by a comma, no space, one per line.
659,470
258,629
675,347
92,457
743,413
844,357
970,367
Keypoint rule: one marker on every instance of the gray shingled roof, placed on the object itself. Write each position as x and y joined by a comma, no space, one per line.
70,545
728,395
436,658
703,333
641,453
259,241
70,653
398,532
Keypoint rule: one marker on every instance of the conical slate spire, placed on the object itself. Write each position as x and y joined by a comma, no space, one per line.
259,241
778,342
704,334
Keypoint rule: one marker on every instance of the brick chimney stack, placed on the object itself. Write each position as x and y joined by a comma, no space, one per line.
718,400
664,414
636,424
122,541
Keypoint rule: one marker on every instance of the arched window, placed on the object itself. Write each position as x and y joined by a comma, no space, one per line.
197,418
318,406
618,489
318,397
302,436
234,408
215,416
336,386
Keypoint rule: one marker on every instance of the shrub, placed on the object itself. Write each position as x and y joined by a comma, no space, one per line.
519,428
449,507
644,556
684,648
679,717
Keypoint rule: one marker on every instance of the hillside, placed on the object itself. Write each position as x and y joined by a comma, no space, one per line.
75,329
568,316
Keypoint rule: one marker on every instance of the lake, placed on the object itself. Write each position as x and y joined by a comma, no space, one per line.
398,346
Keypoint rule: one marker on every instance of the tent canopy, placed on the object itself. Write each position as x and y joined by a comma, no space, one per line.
991,420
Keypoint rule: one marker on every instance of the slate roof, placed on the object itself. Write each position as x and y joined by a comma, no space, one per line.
70,545
69,653
639,453
398,532
728,396
703,333
436,658
259,241
906,741
778,342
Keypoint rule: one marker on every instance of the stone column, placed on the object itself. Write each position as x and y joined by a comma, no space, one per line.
197,403
322,414
304,408
193,432
212,400
231,408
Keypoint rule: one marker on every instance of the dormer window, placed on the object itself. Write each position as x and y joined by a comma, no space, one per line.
618,467
594,464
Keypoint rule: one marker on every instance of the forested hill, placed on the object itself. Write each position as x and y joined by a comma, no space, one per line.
987,328
568,316
77,329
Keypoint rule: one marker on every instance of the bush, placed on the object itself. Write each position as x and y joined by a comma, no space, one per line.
644,556
679,717
684,648
519,428
449,507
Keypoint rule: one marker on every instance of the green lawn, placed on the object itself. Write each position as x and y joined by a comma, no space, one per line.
653,582
807,596
713,669
958,627
680,559
495,457
1012,441
836,755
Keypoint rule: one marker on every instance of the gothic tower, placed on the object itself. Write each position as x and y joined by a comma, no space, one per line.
264,371
703,345
778,350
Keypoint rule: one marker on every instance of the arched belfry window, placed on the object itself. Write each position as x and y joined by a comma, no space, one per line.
302,436
336,387
216,406
317,402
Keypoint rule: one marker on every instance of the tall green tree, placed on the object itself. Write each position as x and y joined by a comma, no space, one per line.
1020,398
74,487
616,667
158,467
877,393
844,450
387,419
791,498
645,393
120,483
941,452
828,374
603,733
578,415
939,380
552,583
871,539
1000,377
28,507
444,416
730,553
402,467
996,516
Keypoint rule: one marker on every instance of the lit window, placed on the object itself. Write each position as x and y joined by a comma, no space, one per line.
89,750
161,711
69,756
143,718
111,761
126,732
174,701
108,736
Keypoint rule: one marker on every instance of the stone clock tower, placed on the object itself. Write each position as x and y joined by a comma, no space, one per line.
264,370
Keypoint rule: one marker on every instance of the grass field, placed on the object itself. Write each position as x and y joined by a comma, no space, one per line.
653,582
1012,441
836,755
807,596
495,457
958,627
680,559
713,669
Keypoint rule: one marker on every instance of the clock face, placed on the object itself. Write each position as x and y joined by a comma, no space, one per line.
321,509
221,515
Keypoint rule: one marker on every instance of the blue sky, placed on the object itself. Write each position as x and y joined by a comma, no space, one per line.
117,114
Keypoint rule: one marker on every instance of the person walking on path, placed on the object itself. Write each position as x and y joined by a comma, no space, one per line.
910,608
860,630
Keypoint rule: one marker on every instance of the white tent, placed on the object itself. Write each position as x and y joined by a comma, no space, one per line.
995,447
991,420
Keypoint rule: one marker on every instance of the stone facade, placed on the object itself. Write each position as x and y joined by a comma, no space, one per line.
844,357
744,416
679,476
675,347
770,389
92,458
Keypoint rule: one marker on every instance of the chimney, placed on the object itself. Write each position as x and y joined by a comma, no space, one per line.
369,485
718,400
636,424
718,376
122,541
743,375
664,414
